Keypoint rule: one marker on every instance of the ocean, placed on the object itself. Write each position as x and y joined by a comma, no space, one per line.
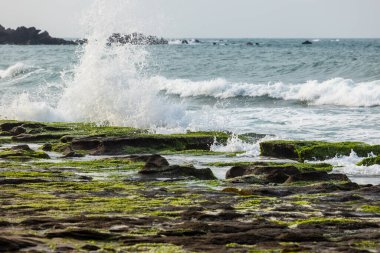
329,90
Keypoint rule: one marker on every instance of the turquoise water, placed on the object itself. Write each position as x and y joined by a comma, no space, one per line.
329,90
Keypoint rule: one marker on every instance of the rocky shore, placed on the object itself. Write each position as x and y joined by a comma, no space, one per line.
75,187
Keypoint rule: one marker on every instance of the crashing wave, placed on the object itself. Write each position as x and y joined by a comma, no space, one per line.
337,91
14,70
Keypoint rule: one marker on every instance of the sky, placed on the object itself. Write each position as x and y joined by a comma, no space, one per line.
212,18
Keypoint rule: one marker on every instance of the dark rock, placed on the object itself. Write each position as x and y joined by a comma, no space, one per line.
80,234
30,36
317,176
4,133
177,172
136,39
33,125
249,44
197,41
38,137
248,179
90,247
9,126
154,162
72,154
214,43
301,236
47,147
279,150
18,130
267,173
236,171
185,42
64,248
307,42
35,131
117,145
13,244
85,178
21,181
21,148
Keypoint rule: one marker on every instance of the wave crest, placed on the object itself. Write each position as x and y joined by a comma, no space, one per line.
13,70
337,91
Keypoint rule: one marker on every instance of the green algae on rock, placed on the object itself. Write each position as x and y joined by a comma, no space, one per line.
22,152
370,161
315,150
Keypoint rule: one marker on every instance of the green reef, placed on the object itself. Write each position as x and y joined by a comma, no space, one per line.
315,150
370,161
76,187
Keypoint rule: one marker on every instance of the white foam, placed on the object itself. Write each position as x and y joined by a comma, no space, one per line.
14,70
109,84
236,145
337,91
347,165
175,42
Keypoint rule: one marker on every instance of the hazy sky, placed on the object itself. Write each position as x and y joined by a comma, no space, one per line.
214,18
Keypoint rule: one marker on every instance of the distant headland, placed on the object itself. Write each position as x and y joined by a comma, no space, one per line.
33,36
30,36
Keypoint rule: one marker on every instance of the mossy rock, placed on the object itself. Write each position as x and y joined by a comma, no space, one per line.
22,154
303,167
370,161
315,150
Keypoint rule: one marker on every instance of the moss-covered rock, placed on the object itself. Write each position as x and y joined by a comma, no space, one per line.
22,152
370,161
314,150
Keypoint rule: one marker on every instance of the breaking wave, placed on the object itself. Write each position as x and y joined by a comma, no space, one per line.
14,70
337,91
109,85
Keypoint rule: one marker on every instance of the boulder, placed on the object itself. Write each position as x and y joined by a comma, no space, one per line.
185,42
47,147
158,167
249,44
316,176
269,174
8,126
154,162
307,42
21,148
18,130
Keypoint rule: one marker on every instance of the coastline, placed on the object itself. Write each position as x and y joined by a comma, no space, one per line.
82,187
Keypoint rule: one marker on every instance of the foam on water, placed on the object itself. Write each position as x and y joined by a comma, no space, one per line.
347,165
14,70
236,145
337,91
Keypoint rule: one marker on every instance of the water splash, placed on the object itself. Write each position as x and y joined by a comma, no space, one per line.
109,84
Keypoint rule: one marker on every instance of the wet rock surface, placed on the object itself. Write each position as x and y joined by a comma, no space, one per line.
95,204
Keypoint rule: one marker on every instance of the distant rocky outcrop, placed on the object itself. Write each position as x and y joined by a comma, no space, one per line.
307,42
136,39
29,36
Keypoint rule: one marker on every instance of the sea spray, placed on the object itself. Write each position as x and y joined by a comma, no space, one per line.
109,84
